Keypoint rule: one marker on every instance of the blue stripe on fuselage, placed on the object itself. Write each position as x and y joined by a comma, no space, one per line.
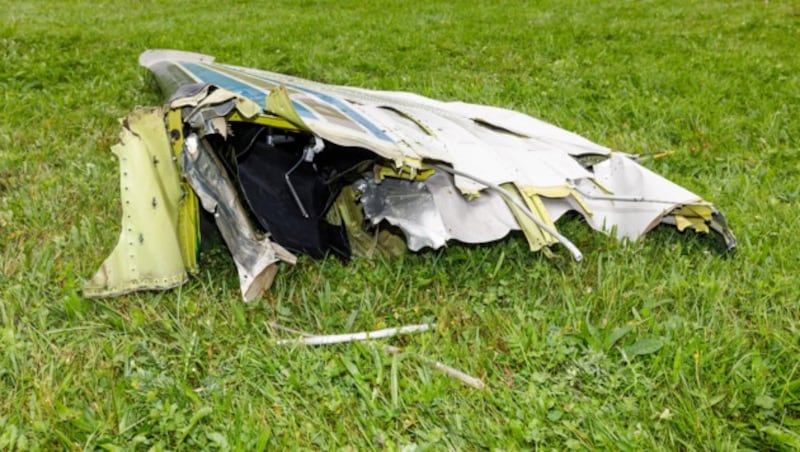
346,109
257,95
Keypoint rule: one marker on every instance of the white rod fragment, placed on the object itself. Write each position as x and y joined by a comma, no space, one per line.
362,336
576,253
451,372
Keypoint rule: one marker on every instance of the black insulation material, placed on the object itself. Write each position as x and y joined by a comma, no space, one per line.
260,159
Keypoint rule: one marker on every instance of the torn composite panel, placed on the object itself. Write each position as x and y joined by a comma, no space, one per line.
307,162
148,252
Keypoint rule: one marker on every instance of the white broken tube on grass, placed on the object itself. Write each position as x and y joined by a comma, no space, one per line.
312,339
362,336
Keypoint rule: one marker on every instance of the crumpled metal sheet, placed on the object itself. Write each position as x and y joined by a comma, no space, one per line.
628,199
485,218
254,254
433,211
633,199
407,205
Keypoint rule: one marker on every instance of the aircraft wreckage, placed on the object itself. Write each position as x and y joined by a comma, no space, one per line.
289,166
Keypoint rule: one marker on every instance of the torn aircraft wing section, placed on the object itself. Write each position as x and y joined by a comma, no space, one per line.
289,166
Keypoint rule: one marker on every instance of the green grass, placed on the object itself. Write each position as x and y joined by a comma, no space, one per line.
664,344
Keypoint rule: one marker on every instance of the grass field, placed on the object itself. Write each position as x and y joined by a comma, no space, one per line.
662,344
